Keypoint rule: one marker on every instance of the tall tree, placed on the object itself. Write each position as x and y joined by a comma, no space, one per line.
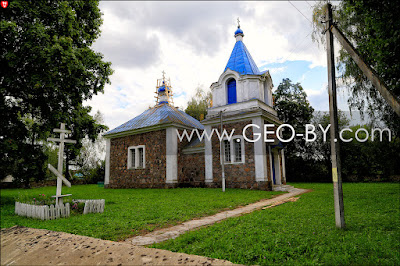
199,103
93,150
48,70
293,108
373,28
84,128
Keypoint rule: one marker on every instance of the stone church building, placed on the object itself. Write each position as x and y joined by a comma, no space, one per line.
149,152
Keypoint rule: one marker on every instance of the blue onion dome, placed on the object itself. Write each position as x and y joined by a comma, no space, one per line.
162,88
238,31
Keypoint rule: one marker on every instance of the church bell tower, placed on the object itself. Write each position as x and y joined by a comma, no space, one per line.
243,95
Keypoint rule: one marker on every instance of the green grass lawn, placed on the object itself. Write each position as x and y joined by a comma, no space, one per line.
129,212
304,232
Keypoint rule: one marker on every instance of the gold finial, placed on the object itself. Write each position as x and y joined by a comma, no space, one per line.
238,21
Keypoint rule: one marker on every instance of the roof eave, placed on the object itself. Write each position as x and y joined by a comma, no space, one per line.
145,130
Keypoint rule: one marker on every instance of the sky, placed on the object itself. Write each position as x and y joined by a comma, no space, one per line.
192,42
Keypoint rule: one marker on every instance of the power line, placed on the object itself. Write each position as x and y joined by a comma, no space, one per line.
297,46
301,42
299,11
309,4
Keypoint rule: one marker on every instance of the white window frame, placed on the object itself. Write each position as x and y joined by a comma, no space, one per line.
136,148
233,151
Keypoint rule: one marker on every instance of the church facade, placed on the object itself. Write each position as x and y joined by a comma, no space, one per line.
150,151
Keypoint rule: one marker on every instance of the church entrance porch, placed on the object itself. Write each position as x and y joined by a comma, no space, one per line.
277,167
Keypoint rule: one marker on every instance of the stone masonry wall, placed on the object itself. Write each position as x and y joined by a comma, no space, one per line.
191,167
237,175
154,173
191,170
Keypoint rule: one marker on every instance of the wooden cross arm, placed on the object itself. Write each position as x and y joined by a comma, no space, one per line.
61,196
58,130
59,175
64,140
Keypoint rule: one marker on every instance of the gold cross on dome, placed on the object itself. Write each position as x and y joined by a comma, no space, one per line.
238,22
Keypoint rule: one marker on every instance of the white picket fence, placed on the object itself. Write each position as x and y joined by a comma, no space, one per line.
93,206
43,212
46,212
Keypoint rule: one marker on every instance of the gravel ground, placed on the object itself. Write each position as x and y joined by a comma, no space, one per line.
29,246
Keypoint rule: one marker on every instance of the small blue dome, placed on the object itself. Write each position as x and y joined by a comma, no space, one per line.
162,88
238,31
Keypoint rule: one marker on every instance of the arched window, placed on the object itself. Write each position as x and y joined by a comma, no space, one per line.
231,91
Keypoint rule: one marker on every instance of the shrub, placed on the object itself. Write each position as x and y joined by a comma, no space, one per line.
77,207
41,199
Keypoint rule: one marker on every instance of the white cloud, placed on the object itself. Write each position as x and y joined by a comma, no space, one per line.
277,70
319,99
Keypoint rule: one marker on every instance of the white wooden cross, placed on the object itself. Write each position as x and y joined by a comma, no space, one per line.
59,170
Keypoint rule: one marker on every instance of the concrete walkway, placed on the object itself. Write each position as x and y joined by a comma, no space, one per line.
29,246
173,232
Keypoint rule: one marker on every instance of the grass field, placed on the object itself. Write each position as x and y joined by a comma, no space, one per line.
129,212
303,232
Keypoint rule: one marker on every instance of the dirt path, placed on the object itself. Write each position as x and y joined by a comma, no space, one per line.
28,246
173,232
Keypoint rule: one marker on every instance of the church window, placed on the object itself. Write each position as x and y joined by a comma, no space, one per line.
238,150
227,147
231,88
141,159
133,157
136,157
234,150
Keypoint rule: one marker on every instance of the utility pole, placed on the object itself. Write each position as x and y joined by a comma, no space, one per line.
222,153
335,149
